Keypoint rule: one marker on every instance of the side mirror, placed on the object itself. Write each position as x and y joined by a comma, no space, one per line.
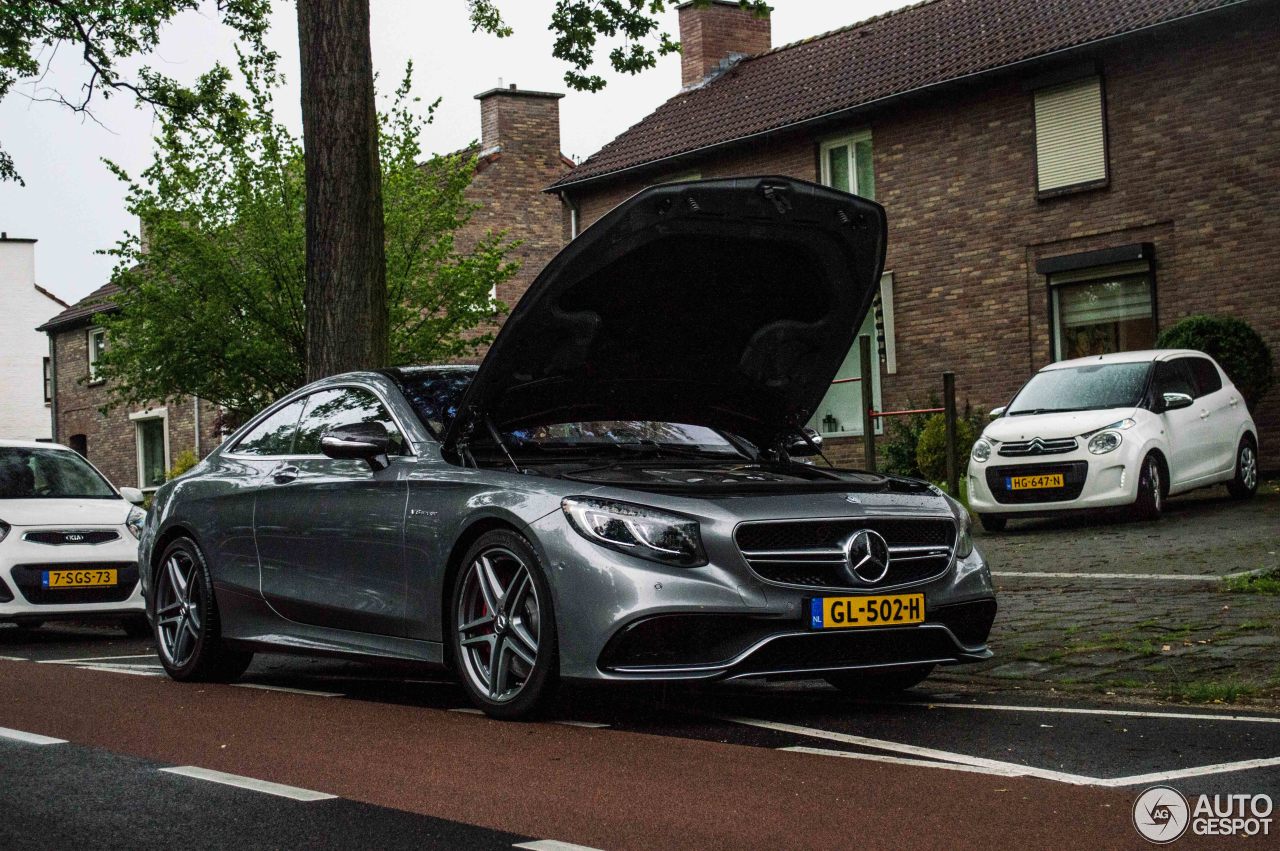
998,412
1174,401
368,442
797,446
133,496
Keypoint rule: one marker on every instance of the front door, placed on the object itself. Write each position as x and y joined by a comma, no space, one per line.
1187,429
330,533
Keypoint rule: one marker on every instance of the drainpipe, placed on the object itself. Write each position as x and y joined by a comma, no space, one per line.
573,214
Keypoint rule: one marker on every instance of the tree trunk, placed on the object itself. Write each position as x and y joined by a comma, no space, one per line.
346,288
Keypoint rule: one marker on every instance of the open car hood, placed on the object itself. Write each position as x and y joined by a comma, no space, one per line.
723,303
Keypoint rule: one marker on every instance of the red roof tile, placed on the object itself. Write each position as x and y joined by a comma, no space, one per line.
924,45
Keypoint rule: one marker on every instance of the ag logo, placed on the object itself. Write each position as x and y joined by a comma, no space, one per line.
1161,814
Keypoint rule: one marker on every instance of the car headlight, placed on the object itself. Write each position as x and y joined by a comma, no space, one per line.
981,450
1104,442
964,543
135,520
637,530
4,530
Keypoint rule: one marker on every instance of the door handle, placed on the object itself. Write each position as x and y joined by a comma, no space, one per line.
1204,415
1234,401
284,474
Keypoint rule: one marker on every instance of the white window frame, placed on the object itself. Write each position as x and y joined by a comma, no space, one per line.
886,312
93,357
824,161
137,419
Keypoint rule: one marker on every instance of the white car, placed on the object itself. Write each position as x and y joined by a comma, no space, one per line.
68,540
1127,429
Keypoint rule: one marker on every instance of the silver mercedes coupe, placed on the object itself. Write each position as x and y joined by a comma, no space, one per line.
625,489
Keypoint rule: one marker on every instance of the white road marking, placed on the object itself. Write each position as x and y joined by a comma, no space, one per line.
993,766
95,659
13,658
914,750
468,710
265,786
590,725
287,690
898,760
29,738
1069,710
553,845
120,669
1177,774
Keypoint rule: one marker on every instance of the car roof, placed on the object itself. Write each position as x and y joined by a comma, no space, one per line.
32,444
1143,356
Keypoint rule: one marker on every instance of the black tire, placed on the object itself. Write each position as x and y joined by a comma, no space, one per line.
137,626
203,657
1245,483
993,522
1149,504
512,622
879,683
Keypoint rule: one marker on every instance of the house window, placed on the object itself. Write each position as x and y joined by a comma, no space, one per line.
1071,138
845,164
152,429
48,381
97,345
1102,310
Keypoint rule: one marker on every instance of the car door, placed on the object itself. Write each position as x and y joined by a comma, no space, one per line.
1221,407
1185,428
330,533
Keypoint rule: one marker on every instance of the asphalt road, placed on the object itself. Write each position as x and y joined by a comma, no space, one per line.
744,765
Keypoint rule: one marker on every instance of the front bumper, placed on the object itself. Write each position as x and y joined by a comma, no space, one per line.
23,562
624,618
1092,481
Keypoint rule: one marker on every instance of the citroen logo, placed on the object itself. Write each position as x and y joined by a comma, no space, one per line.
866,557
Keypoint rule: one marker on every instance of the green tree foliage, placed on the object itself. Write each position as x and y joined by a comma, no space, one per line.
211,300
1233,343
105,35
931,448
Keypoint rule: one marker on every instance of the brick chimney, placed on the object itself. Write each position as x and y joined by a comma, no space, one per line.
513,119
713,33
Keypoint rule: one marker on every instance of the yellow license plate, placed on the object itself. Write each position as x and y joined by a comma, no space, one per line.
85,578
1028,483
849,612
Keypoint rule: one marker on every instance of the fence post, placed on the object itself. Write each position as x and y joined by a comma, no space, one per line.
949,414
867,390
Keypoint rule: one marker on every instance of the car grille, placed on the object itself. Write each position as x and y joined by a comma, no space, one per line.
1073,476
29,579
72,536
811,553
1037,446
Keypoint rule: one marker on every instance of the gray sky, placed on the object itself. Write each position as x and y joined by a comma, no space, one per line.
74,207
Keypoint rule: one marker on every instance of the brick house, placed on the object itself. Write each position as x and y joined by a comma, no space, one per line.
1060,178
519,154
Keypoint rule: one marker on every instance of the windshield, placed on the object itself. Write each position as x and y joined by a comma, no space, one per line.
435,394
1082,388
37,473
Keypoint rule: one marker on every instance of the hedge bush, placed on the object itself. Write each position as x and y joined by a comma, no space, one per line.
1232,343
931,450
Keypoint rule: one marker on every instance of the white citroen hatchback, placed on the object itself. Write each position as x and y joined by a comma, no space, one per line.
1126,429
68,540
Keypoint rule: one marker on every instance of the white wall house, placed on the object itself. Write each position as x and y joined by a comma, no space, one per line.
25,369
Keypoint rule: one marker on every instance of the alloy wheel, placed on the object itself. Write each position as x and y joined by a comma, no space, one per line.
498,622
1157,492
1248,467
179,600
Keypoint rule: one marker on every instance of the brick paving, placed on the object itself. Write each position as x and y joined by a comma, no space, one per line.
1178,639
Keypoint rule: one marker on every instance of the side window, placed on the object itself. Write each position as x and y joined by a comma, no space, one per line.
329,409
1208,380
1172,377
274,435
